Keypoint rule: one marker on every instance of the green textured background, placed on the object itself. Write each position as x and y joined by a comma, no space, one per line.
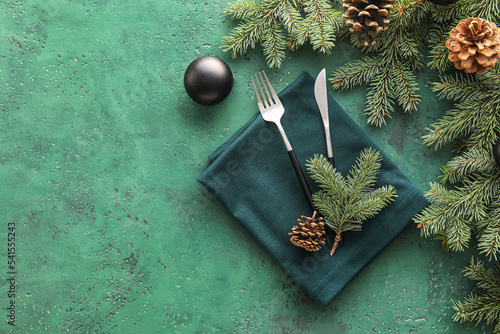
100,148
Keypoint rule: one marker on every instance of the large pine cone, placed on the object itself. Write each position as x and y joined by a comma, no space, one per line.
368,16
310,234
474,45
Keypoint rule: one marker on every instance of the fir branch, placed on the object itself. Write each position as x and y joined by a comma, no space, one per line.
461,88
455,11
378,102
408,8
408,49
488,10
488,280
486,132
332,204
456,212
440,195
489,235
357,72
467,165
320,26
438,35
346,202
288,15
485,307
372,203
475,118
363,174
432,220
273,44
485,9
267,22
408,32
243,9
405,89
247,34
280,24
455,231
451,224
457,124
491,80
458,233
476,194
326,176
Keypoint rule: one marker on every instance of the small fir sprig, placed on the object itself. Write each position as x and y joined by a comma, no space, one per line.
486,306
346,202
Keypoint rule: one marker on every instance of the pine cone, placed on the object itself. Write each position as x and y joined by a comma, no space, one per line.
474,45
368,16
310,234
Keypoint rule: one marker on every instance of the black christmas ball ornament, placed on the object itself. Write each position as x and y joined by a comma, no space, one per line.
443,2
496,153
208,80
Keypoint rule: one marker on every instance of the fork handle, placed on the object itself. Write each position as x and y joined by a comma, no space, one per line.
302,178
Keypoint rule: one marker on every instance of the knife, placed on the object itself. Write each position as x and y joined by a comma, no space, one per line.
322,101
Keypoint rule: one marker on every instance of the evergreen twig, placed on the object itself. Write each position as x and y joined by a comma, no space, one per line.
346,202
467,164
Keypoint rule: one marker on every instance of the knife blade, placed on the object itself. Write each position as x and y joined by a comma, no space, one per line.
322,101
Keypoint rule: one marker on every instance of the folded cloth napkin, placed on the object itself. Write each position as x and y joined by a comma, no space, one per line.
252,176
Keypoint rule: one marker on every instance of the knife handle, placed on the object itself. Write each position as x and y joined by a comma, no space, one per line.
302,178
329,148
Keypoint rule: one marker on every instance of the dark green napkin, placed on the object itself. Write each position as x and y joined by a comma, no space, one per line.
252,176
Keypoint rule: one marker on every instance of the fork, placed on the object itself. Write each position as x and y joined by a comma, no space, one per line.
272,110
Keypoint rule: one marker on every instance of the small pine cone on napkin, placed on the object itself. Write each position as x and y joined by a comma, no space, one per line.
368,16
310,234
474,45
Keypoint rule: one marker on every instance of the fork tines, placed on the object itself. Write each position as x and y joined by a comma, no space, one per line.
267,84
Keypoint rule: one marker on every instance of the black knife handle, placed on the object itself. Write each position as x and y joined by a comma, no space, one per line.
332,161
302,178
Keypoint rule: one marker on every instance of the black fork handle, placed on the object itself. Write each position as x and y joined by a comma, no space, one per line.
302,178
306,189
